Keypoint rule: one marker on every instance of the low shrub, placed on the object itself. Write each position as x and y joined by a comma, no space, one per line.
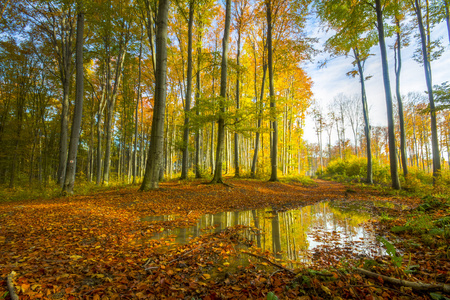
355,168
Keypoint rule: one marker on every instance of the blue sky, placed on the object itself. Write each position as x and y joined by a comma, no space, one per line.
332,80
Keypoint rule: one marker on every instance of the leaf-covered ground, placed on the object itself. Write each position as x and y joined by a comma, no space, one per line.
97,247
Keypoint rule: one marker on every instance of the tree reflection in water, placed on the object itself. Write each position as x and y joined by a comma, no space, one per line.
295,234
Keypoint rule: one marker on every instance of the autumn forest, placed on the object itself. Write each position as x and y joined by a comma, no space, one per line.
176,149
238,107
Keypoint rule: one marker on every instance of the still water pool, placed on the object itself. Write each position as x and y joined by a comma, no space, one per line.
299,235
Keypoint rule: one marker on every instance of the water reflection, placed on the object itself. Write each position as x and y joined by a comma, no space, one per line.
293,235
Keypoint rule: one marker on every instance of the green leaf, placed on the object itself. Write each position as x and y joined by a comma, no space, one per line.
271,296
437,296
390,249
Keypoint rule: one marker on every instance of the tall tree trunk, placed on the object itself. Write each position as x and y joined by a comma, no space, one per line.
41,169
30,177
136,116
211,154
91,142
197,105
63,134
226,138
427,68
150,32
222,99
63,46
101,107
236,136
366,117
258,130
398,68
447,16
142,153
387,89
111,101
78,113
273,116
155,152
342,119
338,132
185,159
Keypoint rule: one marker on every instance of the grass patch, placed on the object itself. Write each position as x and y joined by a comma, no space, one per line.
304,180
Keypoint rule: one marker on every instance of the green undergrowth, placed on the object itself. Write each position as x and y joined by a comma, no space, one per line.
430,220
354,169
52,190
418,183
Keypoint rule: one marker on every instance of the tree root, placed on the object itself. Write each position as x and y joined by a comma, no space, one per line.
9,282
418,286
220,181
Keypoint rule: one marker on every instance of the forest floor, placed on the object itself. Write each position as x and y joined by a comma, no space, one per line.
125,244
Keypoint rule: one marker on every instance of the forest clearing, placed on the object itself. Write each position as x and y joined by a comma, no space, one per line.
173,243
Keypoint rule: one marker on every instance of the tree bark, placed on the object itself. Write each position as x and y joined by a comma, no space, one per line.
274,144
185,159
136,116
63,133
111,102
211,154
236,136
366,117
91,141
150,33
101,107
258,133
223,93
427,69
65,64
197,104
387,89
155,152
398,68
69,181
